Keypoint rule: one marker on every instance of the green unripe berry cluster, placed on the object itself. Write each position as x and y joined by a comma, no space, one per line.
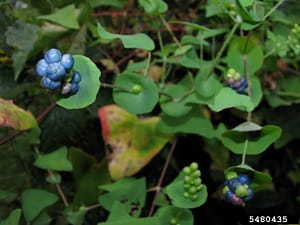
233,74
294,41
192,181
231,7
174,222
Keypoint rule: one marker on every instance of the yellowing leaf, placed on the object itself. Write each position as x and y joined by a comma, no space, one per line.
15,117
131,142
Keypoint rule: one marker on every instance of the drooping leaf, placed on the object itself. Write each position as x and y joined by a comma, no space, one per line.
65,17
245,47
169,213
137,103
13,218
34,201
56,160
88,86
121,191
140,40
21,37
133,142
228,98
258,141
15,117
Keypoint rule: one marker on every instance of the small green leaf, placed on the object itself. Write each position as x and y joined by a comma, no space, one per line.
13,218
34,201
65,17
42,219
257,178
56,160
140,40
207,88
247,127
76,217
137,103
154,7
246,15
169,213
88,86
228,98
258,141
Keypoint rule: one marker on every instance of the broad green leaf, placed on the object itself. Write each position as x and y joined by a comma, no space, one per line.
42,219
21,37
192,123
121,191
34,201
118,212
15,117
177,105
257,178
207,88
137,103
228,98
13,218
140,40
88,86
65,17
56,160
171,213
154,7
247,127
248,48
133,142
257,141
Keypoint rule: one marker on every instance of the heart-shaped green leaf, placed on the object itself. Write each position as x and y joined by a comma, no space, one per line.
228,98
140,40
88,86
257,178
171,213
13,218
15,117
143,101
56,160
245,47
133,142
257,141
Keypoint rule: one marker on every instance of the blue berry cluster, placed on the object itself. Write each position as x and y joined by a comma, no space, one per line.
236,81
236,188
56,69
192,181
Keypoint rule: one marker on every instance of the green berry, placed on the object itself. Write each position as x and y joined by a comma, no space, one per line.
196,173
197,181
199,187
231,175
136,89
194,166
186,186
192,190
241,191
187,170
225,189
186,194
187,179
194,197
173,221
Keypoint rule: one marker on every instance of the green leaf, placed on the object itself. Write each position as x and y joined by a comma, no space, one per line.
154,7
191,25
118,212
257,141
192,123
169,213
240,48
88,86
177,105
140,40
137,103
56,160
207,88
256,92
15,117
34,201
13,218
122,191
42,219
134,221
76,217
257,178
115,3
21,37
228,98
247,16
65,17
247,127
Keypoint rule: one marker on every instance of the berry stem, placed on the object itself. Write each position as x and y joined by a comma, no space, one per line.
245,151
147,65
106,85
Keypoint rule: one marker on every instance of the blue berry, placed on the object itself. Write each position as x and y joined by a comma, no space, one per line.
52,56
41,67
228,195
75,88
55,71
50,84
67,61
250,195
233,184
76,77
244,179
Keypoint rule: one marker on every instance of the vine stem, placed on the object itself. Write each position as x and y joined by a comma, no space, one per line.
273,9
59,190
225,44
148,64
245,151
162,176
170,31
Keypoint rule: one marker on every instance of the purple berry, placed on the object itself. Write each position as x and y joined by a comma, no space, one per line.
41,67
67,61
235,200
50,84
55,71
52,56
250,195
236,84
230,80
233,184
228,195
244,179
76,77
75,88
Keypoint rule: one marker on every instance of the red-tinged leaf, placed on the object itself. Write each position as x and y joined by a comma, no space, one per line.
131,142
15,117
